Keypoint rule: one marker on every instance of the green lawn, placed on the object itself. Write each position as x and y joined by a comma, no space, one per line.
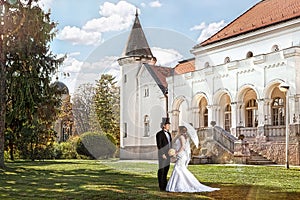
114,179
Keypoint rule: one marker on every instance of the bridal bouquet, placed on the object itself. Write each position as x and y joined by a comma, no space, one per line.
171,152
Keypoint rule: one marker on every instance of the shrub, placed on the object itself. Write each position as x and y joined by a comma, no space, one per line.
66,150
95,146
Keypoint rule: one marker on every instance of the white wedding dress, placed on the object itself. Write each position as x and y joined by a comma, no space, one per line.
182,180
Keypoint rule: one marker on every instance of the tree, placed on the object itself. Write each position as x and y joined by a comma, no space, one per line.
107,105
83,107
27,66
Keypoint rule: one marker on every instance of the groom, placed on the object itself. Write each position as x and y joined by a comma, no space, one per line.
163,141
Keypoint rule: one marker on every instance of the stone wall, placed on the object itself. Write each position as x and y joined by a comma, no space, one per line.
275,151
138,153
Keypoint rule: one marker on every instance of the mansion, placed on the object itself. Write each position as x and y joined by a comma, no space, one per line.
240,91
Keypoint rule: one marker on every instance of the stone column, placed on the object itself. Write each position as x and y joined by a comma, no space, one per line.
212,114
240,113
175,120
233,118
261,121
196,117
268,111
260,110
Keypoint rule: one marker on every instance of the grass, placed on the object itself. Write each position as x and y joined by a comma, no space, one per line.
114,179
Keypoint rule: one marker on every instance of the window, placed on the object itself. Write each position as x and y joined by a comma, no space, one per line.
125,78
125,130
146,126
205,116
227,116
226,60
275,48
251,113
206,64
278,108
146,92
249,54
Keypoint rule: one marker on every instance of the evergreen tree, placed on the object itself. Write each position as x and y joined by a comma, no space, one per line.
27,66
107,105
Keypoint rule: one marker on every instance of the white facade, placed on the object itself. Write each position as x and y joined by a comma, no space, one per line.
274,59
142,107
235,86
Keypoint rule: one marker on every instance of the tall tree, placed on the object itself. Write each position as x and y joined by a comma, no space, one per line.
83,107
2,84
29,65
107,104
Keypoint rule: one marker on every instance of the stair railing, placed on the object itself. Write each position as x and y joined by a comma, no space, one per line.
224,138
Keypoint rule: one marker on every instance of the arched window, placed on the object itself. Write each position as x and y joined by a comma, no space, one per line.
146,126
206,64
275,48
226,60
203,113
251,113
249,54
205,116
278,114
227,117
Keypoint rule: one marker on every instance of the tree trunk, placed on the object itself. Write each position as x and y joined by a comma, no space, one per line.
2,102
11,150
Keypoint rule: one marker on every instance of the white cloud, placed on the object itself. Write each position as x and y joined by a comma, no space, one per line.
208,30
76,36
88,72
114,17
198,27
71,65
166,57
155,4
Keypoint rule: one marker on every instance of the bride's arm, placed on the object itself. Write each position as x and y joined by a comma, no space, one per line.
182,144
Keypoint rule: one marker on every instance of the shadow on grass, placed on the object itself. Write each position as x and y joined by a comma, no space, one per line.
92,180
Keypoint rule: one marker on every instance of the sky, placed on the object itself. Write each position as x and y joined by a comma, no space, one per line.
93,33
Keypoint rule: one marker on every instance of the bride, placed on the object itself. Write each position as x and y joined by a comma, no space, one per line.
182,180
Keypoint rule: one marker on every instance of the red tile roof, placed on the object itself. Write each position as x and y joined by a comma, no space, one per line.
185,66
261,15
160,74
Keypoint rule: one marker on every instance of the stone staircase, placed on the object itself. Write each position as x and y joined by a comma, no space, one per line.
257,159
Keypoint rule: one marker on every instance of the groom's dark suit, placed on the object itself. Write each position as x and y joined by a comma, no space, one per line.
163,146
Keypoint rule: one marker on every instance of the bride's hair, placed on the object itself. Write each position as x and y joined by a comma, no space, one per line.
182,129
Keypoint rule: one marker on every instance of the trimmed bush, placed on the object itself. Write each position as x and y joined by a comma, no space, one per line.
95,146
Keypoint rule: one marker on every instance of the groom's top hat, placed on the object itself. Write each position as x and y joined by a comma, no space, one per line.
165,120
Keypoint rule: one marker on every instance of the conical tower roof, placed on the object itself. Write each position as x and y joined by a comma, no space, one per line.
137,44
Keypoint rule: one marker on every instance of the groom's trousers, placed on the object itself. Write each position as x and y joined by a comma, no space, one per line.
162,176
